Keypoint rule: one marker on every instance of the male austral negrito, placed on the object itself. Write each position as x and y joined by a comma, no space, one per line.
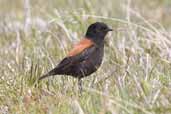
86,56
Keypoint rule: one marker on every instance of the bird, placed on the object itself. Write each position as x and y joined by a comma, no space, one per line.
85,57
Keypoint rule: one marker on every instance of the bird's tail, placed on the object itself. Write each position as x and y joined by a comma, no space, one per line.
44,76
50,73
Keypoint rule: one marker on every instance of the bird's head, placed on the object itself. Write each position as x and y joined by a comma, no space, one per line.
97,32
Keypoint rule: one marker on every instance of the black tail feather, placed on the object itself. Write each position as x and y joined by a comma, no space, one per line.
50,73
59,69
44,76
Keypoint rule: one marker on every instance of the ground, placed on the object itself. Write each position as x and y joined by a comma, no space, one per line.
135,77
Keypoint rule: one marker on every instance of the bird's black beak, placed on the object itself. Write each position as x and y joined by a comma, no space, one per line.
109,29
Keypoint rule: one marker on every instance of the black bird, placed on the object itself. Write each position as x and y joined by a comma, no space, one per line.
86,56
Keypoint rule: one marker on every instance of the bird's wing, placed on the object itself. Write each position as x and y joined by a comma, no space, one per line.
78,54
81,46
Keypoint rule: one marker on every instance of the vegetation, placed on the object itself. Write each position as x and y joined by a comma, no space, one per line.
135,77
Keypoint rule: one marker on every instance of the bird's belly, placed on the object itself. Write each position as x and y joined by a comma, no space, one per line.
88,66
83,70
89,70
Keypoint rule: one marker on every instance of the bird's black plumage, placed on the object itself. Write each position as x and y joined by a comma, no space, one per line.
87,61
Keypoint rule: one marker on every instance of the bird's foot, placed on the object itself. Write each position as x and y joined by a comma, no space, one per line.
80,87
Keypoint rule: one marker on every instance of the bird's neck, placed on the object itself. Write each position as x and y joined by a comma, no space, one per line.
98,41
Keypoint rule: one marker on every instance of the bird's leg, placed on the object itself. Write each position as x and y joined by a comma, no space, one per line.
80,85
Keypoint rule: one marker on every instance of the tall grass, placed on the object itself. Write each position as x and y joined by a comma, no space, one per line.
135,77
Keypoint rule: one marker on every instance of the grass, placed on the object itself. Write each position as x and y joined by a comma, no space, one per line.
135,77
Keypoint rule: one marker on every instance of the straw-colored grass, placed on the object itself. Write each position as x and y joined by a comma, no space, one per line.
135,77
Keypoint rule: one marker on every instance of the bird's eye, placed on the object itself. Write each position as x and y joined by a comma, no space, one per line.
104,28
